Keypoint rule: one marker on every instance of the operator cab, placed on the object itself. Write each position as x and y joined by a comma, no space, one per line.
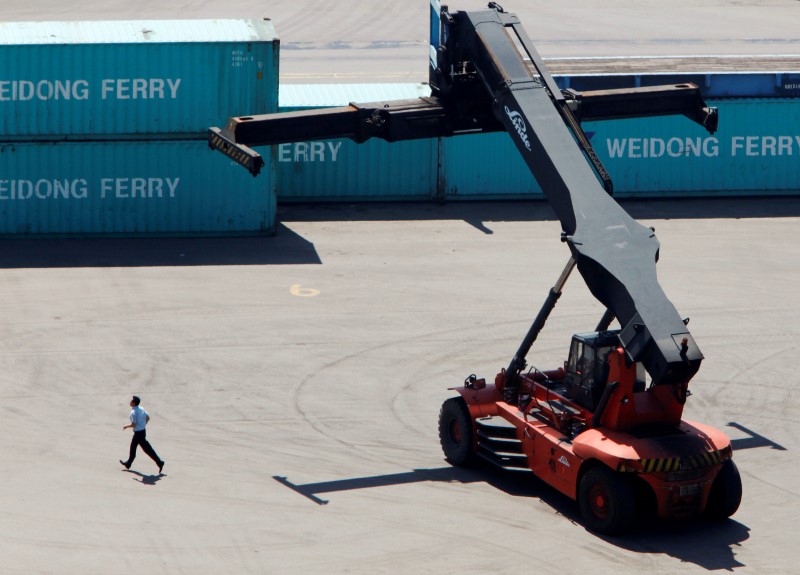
587,367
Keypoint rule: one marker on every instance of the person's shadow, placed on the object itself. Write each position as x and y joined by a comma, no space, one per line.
145,479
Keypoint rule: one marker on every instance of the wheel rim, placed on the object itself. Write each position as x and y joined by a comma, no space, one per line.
455,431
598,501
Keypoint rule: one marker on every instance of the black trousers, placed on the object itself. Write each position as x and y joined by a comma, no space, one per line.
140,438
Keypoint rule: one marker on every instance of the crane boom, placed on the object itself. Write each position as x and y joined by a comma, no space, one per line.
486,76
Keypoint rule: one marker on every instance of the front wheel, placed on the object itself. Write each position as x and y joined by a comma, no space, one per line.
607,501
455,432
726,492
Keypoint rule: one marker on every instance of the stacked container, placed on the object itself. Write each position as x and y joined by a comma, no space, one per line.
755,152
103,126
341,170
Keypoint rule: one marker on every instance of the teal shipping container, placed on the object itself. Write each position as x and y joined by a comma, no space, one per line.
485,166
755,152
341,170
123,79
158,188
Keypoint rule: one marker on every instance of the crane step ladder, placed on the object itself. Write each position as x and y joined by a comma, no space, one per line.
498,444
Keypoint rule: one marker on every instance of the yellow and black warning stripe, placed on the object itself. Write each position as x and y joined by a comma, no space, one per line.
705,459
669,464
661,464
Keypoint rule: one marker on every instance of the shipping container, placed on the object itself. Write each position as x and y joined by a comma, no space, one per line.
130,188
712,84
755,152
485,166
79,80
341,170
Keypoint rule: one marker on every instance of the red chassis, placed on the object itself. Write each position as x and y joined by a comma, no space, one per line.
629,453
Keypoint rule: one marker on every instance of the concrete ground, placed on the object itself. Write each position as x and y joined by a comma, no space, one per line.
294,384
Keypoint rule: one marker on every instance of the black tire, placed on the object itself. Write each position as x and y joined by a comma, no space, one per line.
456,432
607,501
726,492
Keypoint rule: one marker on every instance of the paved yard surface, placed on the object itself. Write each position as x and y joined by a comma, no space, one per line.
294,384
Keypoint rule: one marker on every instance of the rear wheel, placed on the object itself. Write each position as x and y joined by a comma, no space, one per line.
726,492
607,501
455,432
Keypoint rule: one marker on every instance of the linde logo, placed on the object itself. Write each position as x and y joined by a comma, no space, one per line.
519,125
107,88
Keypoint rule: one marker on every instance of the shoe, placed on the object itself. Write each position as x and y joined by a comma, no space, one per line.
125,465
160,467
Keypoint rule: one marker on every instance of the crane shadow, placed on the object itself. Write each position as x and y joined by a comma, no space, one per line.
289,247
476,213
312,491
753,439
708,544
705,543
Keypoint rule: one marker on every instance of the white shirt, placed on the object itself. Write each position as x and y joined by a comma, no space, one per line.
138,418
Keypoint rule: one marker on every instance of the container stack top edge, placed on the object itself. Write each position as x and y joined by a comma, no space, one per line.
323,95
136,32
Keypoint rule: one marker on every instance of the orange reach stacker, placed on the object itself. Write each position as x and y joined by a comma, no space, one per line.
595,429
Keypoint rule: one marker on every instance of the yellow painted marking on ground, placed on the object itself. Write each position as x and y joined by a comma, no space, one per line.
300,291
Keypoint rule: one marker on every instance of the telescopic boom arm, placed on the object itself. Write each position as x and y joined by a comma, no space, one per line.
486,76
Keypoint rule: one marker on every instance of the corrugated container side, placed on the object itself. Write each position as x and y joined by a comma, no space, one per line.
712,84
341,170
138,88
124,188
755,151
485,166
